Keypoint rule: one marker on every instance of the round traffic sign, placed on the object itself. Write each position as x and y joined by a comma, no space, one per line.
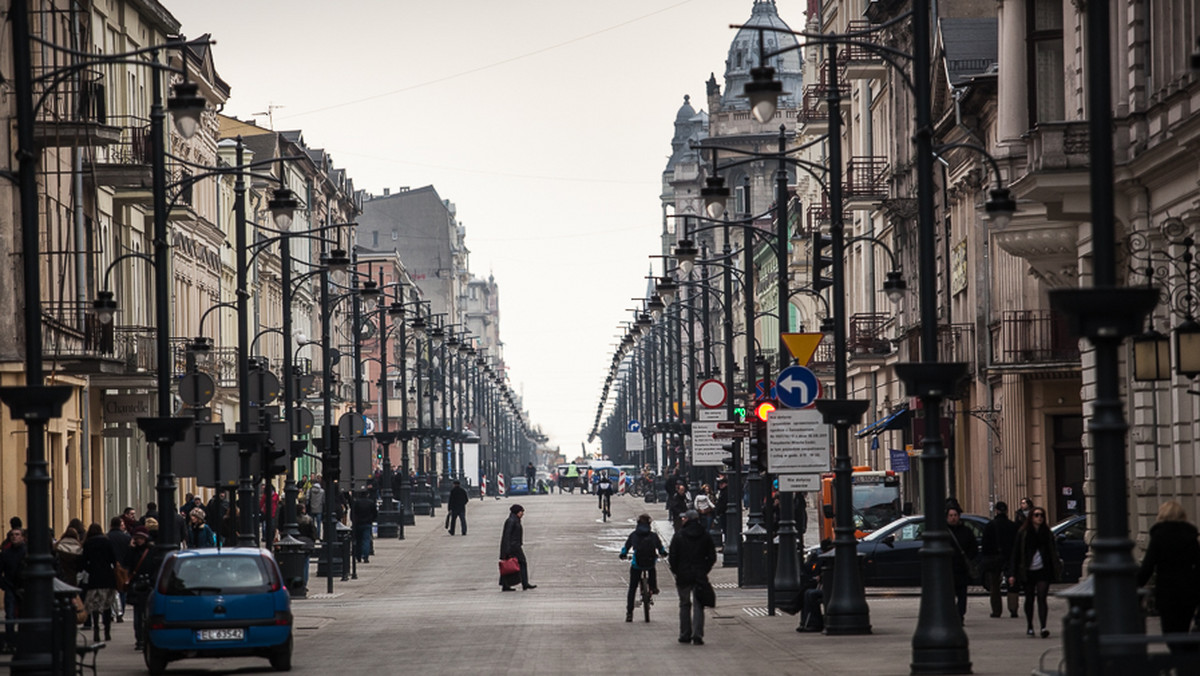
634,426
712,393
797,387
351,425
304,421
196,389
262,388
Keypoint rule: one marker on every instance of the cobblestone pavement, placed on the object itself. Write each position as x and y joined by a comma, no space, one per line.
430,604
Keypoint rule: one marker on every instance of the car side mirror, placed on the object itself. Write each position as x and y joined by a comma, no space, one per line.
890,540
827,510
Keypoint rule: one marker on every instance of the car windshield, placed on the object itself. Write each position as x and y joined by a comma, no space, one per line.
207,575
519,480
875,506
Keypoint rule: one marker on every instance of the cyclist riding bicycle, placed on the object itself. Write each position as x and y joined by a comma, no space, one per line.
646,547
604,491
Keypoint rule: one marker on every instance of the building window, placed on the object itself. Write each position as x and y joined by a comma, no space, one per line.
375,239
1047,97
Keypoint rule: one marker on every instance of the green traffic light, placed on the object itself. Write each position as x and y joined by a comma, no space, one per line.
740,413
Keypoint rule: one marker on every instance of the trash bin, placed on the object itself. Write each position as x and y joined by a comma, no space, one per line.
334,564
292,557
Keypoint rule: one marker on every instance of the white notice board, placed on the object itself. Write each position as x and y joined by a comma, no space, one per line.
798,442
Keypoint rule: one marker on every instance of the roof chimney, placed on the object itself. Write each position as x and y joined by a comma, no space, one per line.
387,191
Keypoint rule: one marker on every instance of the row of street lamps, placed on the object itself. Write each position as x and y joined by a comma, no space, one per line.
939,643
484,399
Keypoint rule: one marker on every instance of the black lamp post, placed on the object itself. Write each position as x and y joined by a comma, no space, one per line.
1106,314
390,518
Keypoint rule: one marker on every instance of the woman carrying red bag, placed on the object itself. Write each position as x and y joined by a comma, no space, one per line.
511,541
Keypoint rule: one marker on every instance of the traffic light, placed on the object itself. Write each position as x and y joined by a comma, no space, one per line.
731,448
754,454
822,260
739,414
763,410
274,458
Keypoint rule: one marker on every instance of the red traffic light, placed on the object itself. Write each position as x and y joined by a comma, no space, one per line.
763,410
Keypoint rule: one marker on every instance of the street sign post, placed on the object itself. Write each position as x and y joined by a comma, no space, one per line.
712,393
798,442
706,446
633,426
797,387
799,483
633,441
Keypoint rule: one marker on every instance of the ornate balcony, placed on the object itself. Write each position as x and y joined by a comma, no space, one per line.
869,335
1033,337
861,62
125,165
866,183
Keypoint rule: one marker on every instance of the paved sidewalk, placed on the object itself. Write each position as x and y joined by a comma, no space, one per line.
431,603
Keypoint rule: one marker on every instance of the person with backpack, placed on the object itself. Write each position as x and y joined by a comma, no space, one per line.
646,547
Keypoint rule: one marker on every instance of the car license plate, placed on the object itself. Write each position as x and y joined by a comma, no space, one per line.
220,634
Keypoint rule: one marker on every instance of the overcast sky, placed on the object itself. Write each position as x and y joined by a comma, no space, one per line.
547,122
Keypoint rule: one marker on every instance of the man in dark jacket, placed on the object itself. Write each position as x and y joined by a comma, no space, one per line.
678,502
965,550
12,567
121,540
457,506
692,556
363,511
998,537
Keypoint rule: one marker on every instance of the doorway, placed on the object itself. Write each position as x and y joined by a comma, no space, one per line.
1067,445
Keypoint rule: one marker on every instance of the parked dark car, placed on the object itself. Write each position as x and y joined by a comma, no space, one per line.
218,603
891,555
1072,547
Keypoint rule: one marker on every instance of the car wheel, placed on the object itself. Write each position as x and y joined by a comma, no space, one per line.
156,660
281,659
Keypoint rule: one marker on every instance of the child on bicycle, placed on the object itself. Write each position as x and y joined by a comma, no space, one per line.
646,547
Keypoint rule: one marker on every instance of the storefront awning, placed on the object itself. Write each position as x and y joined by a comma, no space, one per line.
893,421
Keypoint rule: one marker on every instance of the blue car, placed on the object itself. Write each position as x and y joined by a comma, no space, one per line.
218,603
518,485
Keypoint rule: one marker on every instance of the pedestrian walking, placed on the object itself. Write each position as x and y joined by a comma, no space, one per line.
512,546
364,512
706,506
678,503
998,537
1173,558
456,507
12,581
530,474
966,549
140,564
691,557
68,557
1035,565
199,534
1023,509
316,503
645,546
99,562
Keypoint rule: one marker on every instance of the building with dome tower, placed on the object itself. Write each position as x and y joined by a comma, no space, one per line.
728,123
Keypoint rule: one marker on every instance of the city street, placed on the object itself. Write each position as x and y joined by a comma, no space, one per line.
431,604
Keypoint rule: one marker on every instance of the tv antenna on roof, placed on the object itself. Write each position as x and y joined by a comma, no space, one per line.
269,113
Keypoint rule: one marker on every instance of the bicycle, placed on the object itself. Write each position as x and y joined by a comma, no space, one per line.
647,598
606,506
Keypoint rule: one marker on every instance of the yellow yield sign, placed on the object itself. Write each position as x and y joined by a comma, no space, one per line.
802,345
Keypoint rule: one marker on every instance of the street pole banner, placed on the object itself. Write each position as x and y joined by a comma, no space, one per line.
798,442
706,450
799,483
633,441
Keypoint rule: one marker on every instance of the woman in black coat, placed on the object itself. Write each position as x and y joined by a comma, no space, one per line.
1035,565
99,562
511,541
1173,557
